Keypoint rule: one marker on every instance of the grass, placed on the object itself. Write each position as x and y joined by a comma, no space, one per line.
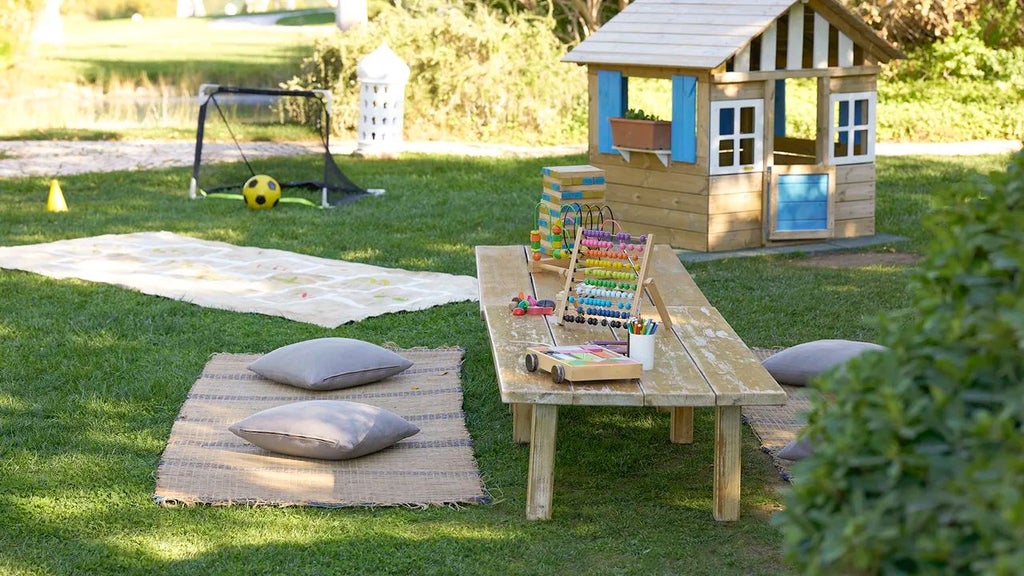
93,377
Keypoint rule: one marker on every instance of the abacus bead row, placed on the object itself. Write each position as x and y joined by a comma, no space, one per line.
623,236
609,284
583,290
602,312
594,321
595,263
605,254
621,305
610,274
622,246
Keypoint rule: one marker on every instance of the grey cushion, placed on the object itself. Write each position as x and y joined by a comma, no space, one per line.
797,449
797,365
329,364
324,429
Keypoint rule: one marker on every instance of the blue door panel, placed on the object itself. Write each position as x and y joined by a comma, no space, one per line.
801,202
800,226
803,211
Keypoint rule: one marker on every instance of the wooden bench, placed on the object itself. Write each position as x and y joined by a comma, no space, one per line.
699,362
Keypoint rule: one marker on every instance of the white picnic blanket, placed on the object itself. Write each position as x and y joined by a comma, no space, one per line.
303,288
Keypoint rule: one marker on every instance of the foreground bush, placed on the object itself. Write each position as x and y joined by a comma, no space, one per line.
921,449
475,74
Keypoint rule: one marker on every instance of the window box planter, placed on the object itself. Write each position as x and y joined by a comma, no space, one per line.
641,134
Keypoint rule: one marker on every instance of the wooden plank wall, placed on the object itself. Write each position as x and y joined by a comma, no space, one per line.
855,200
735,211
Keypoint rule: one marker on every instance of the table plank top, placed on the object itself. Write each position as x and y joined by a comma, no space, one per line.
732,370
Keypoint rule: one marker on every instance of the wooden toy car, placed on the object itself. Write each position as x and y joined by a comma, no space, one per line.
581,362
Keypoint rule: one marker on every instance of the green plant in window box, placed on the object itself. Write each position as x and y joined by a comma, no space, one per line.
639,114
638,130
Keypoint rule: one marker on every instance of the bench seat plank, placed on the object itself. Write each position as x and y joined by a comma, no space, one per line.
674,380
734,373
510,335
501,273
663,266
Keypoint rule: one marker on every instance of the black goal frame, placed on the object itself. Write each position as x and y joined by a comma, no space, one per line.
336,188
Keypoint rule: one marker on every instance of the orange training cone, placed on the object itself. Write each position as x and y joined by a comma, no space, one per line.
55,201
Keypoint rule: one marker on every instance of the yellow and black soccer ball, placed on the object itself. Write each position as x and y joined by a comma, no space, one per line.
261,191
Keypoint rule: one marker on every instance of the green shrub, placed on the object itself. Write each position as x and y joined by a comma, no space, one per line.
475,75
970,110
921,449
15,26
965,54
111,9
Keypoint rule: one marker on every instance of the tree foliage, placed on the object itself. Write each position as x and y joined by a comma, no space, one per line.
921,449
469,76
913,23
577,19
15,27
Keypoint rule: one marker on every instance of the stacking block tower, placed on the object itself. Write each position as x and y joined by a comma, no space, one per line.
570,194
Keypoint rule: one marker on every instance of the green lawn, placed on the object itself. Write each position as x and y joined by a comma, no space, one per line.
92,377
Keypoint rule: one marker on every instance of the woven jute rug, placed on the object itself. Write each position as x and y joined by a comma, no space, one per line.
204,463
776,426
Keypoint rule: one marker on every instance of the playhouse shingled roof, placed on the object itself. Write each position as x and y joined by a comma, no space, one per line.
703,34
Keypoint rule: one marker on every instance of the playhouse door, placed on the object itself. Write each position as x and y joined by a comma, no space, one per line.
801,200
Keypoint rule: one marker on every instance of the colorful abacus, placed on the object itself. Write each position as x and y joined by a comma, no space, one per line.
605,283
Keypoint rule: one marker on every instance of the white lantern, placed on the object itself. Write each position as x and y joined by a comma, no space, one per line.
382,77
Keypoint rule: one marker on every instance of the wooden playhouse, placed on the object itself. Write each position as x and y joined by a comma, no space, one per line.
727,176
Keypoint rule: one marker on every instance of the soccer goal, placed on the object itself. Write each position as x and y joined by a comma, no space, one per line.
243,132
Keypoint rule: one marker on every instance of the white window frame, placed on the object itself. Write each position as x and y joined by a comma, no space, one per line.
851,126
717,138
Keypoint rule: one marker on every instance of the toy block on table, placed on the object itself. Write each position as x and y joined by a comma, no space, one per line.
568,192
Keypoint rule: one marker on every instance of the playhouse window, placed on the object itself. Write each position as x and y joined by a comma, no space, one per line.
852,118
737,136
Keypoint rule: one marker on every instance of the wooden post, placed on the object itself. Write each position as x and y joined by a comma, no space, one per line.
681,425
540,487
728,434
522,420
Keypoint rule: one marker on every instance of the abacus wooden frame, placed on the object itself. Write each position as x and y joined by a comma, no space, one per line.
576,273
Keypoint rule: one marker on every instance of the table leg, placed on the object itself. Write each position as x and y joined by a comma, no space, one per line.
728,435
522,420
540,485
681,425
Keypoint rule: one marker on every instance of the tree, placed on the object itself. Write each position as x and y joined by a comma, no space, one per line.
577,18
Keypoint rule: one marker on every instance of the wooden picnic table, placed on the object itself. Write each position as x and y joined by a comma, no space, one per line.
699,362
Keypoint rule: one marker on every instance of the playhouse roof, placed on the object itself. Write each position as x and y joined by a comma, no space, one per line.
704,34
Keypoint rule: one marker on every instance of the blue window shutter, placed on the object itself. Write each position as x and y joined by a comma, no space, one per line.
684,119
612,95
780,108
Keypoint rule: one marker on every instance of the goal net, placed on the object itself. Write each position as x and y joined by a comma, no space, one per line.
243,132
